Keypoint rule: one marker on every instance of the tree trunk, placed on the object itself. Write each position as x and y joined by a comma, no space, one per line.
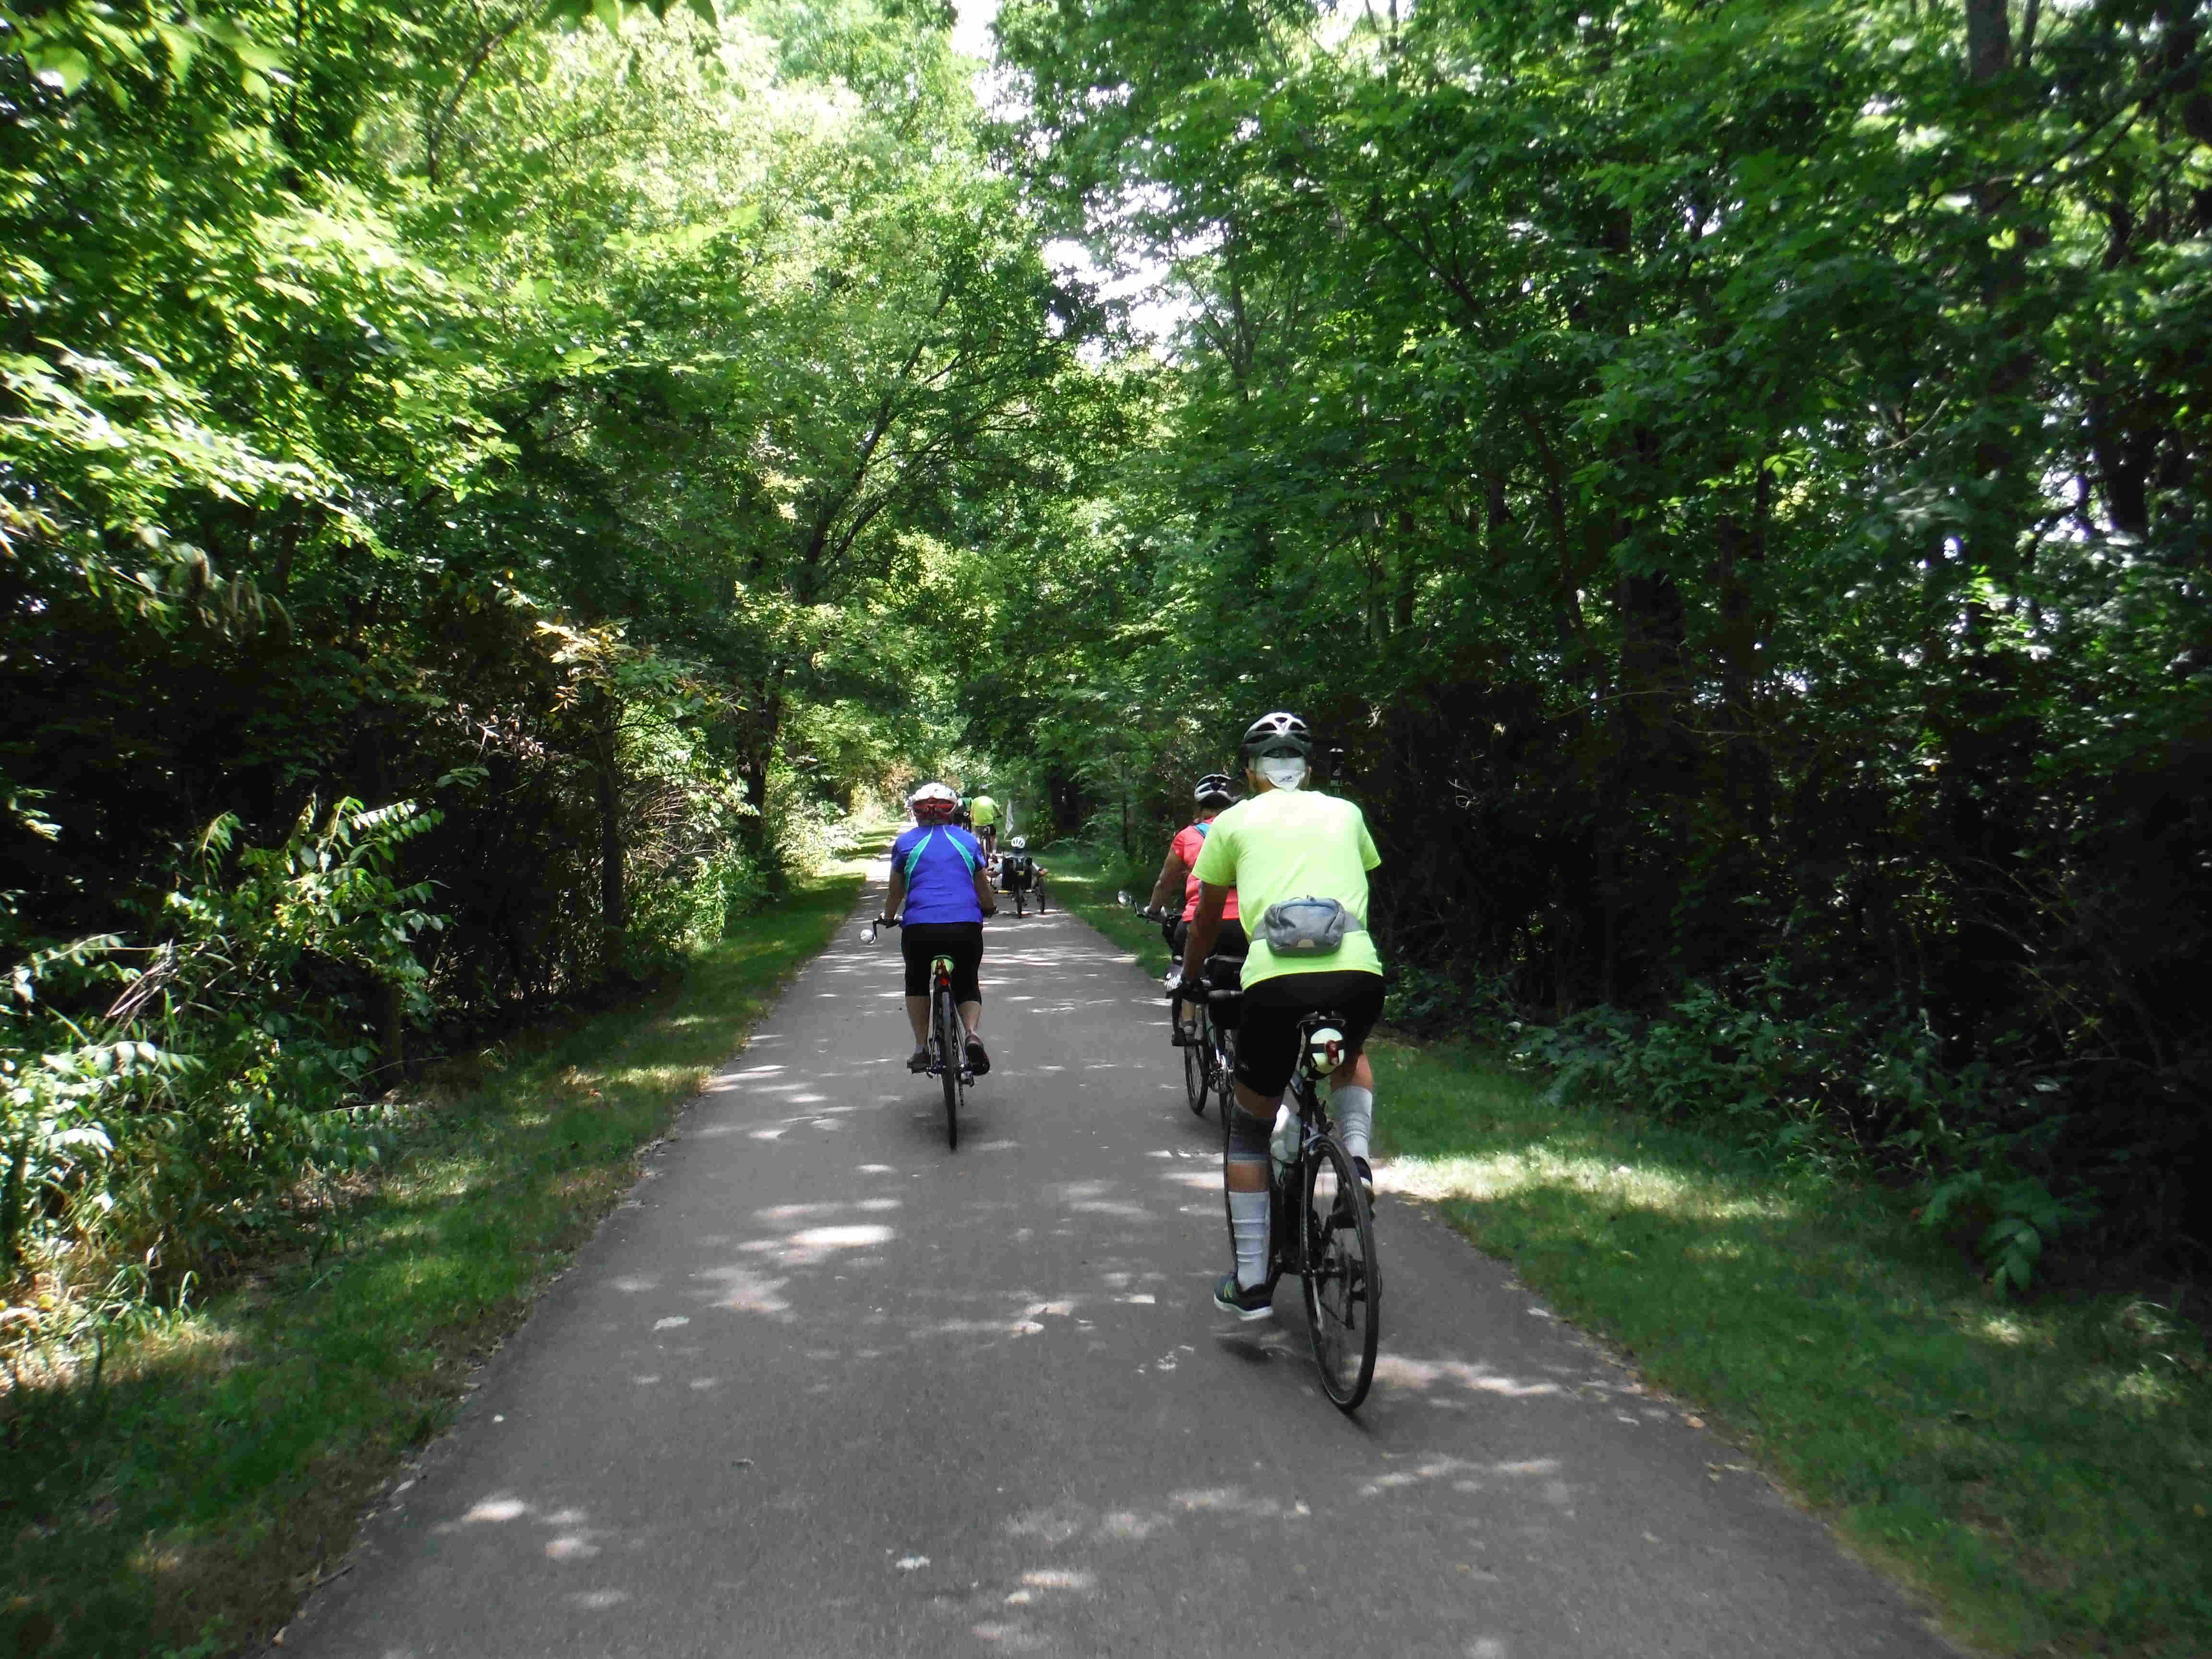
753,769
614,926
1989,39
392,1035
1401,614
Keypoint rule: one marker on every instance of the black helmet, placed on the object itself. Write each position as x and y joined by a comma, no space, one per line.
1277,734
1214,789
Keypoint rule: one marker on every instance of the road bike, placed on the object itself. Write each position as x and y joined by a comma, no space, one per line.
1209,1054
1322,1227
1209,1058
947,1044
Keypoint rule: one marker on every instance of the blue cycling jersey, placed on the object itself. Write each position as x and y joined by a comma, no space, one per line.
941,863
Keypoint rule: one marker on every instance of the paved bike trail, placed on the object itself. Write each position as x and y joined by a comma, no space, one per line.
821,1387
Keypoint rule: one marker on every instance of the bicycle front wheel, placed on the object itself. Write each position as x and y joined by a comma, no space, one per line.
1040,895
1343,1280
950,1044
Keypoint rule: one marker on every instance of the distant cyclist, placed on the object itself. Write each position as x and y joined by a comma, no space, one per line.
1018,870
941,890
984,812
1285,843
1178,884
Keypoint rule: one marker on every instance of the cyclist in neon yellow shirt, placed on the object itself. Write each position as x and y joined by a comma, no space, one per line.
983,813
1283,842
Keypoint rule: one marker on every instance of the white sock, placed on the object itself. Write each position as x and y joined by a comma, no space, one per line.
1248,1230
1353,1109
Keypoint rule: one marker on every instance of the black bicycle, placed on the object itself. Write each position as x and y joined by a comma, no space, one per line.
1209,1058
1020,875
947,1045
1324,1227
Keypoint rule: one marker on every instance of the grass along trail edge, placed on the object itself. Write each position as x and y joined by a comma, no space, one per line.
221,1469
2039,1472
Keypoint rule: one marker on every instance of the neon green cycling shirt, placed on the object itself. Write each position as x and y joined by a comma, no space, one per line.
983,812
1288,844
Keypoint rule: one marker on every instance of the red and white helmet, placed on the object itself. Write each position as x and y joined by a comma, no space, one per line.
933,803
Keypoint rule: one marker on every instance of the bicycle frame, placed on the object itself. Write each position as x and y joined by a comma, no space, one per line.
1305,1082
940,1001
948,1039
1318,1257
946,1043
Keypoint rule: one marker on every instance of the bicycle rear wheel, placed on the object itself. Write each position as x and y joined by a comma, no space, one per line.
950,1044
1195,1074
1342,1279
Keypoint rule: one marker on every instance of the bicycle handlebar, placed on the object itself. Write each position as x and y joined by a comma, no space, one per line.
868,933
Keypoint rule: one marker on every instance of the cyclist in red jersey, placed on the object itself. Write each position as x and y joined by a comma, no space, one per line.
1213,793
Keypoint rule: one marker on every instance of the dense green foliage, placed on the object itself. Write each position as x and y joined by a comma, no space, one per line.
1733,482
562,435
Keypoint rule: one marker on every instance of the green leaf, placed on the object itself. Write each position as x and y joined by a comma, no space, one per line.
62,67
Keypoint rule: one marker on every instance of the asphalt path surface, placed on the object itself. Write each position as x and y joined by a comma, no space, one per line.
822,1387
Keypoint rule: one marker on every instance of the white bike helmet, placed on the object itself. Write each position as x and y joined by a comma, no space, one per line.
1278,733
933,803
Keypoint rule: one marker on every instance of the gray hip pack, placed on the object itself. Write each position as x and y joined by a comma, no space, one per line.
1308,926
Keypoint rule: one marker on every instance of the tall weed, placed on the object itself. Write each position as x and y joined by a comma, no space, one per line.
165,1100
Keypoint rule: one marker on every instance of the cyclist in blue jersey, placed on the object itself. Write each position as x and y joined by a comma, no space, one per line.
941,890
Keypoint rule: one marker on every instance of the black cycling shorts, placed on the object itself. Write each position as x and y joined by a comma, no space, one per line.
921,942
1268,1031
1229,942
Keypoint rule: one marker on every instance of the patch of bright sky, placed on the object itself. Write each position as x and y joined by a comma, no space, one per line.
1156,308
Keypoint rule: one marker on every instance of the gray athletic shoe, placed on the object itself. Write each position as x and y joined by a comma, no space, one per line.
1257,1302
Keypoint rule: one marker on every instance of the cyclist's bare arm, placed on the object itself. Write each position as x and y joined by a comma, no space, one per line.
1174,872
895,899
986,895
1205,929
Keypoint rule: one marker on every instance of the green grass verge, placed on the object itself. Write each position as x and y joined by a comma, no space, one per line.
1082,883
186,1504
2040,1472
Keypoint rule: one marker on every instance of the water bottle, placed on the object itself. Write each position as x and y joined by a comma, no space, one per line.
1283,1142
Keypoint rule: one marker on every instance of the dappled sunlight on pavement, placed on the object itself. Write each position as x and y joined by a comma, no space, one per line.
822,1387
